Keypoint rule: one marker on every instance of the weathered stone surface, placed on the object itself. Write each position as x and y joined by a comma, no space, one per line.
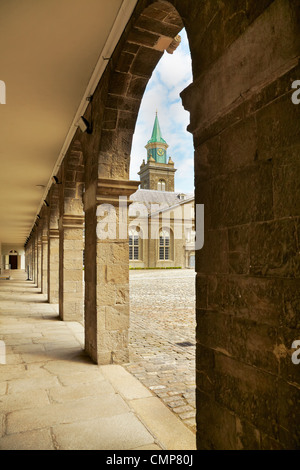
274,249
216,425
145,61
286,175
277,127
31,440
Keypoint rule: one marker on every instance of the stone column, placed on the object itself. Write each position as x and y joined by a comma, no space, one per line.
44,252
39,259
71,293
44,283
106,275
53,245
53,265
35,265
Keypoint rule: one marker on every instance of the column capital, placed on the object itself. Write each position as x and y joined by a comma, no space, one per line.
53,233
72,221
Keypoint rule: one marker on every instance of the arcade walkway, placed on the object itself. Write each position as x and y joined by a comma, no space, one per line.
53,397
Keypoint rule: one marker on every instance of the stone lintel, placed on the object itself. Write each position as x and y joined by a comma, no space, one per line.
109,190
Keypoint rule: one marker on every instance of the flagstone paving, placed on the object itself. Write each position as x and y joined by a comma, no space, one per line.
53,397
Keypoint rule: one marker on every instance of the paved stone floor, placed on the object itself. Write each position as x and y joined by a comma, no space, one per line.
53,397
162,337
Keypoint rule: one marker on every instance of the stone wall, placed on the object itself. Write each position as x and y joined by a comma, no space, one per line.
246,136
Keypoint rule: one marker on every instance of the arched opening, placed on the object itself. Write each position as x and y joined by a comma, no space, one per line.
161,185
134,245
164,246
162,300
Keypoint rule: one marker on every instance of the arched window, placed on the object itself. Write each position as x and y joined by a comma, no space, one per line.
133,245
161,185
164,245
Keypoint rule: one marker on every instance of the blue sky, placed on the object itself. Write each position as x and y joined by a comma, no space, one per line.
172,74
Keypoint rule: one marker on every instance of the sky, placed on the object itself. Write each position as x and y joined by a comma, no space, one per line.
172,74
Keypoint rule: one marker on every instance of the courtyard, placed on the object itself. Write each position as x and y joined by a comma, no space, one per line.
162,336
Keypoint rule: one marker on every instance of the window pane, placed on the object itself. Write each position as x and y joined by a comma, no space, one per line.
167,241
130,252
167,252
161,253
136,252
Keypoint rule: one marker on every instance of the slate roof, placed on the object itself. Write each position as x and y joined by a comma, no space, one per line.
166,199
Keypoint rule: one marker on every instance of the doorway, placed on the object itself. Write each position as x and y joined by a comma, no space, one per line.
13,261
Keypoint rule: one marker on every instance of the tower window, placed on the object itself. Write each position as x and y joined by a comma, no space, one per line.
161,185
133,245
164,245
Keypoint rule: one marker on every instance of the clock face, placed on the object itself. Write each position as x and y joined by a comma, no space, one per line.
160,152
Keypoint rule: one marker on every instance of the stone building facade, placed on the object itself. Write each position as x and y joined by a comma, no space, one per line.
245,127
161,221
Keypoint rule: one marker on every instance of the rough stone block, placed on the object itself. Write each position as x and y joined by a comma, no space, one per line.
216,425
248,392
213,257
286,175
117,318
145,62
238,145
231,203
137,87
289,415
277,127
274,249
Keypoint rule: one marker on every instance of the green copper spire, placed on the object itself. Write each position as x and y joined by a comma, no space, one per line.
156,133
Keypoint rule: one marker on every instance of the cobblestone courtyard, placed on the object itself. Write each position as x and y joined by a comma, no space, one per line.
162,336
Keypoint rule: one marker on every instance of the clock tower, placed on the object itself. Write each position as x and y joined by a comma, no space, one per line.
158,173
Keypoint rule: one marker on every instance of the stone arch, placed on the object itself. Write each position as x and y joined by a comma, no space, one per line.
112,114
243,284
152,30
